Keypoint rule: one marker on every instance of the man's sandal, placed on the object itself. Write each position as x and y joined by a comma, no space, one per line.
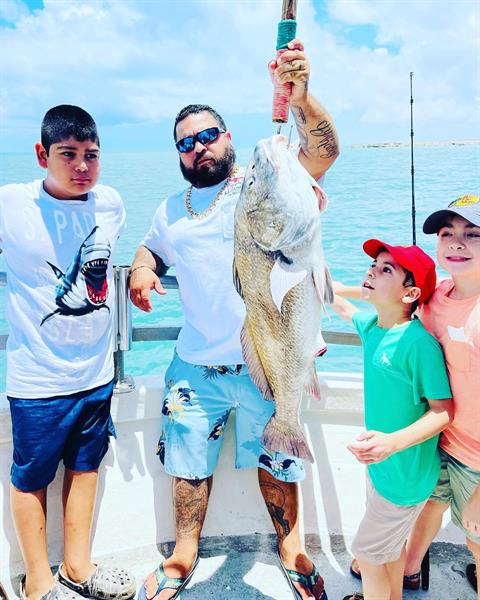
167,583
471,573
309,581
104,583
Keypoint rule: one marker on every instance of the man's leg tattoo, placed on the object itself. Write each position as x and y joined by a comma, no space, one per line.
275,500
190,503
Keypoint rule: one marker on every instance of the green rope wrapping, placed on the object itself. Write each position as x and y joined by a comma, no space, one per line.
287,31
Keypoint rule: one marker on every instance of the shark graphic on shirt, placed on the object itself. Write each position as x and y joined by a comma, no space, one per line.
84,287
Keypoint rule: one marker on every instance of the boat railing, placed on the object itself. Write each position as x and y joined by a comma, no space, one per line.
125,333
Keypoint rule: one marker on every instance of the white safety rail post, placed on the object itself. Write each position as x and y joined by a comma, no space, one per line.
122,333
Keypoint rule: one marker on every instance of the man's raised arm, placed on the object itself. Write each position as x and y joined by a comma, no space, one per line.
318,136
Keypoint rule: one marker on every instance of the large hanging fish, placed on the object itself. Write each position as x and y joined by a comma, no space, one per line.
84,287
280,273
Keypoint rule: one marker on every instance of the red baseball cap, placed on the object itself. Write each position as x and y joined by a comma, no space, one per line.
411,258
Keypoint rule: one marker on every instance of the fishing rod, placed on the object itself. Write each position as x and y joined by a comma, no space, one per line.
287,30
414,237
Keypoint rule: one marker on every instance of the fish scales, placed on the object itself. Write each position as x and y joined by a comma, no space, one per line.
280,274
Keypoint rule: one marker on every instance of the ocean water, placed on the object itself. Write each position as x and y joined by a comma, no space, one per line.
370,196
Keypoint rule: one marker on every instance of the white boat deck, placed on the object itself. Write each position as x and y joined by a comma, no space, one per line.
134,523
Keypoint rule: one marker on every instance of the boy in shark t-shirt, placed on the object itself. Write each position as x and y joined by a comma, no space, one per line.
58,238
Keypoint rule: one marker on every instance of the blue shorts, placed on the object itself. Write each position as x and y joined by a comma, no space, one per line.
197,403
74,428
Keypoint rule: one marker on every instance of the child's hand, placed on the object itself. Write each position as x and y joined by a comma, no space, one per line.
471,513
372,447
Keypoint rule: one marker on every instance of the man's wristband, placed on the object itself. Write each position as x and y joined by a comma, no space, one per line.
139,267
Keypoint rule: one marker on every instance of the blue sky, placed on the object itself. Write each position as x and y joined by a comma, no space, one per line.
134,63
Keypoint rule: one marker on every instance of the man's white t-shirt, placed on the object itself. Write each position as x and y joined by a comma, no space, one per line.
59,300
202,252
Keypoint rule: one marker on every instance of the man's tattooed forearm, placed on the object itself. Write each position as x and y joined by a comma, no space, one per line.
301,115
327,144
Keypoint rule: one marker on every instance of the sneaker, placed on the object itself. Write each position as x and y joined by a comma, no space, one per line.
103,584
58,592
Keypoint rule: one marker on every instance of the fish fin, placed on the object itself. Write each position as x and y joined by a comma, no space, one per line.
281,437
313,387
58,272
321,344
236,280
282,280
325,291
254,364
328,294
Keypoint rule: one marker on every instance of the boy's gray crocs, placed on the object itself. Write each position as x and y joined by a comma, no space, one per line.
58,592
103,584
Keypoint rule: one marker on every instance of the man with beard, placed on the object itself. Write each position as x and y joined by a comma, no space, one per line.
193,230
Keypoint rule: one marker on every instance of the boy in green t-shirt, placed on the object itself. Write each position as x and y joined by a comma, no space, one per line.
407,404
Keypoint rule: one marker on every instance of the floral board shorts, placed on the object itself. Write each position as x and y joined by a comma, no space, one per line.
197,403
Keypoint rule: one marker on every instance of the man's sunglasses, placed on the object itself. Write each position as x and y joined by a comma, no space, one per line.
206,136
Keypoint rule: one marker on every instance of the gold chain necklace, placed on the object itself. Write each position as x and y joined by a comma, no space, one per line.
204,213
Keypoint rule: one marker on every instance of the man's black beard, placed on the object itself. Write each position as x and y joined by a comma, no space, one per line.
210,173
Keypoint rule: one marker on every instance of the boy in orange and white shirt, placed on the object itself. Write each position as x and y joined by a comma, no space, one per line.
453,316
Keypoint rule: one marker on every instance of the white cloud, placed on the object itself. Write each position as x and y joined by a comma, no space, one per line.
12,10
140,61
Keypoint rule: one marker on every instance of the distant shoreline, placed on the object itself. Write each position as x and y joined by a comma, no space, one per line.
407,144
430,144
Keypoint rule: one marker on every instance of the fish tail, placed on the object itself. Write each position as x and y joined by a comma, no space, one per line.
281,437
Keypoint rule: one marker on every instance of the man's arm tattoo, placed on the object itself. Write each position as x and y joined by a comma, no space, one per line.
319,141
326,144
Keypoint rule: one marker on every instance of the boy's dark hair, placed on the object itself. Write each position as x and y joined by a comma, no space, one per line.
193,109
65,121
409,281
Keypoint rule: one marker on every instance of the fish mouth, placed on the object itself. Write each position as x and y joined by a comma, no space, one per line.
95,274
268,151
